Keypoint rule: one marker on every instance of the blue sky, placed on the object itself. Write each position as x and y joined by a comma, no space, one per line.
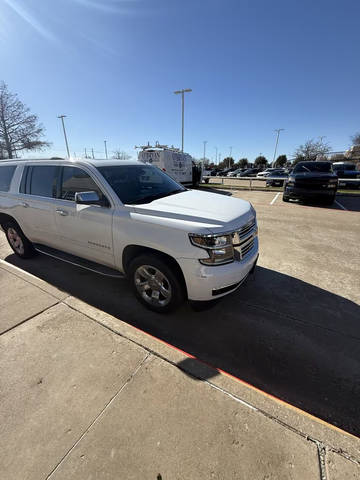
111,66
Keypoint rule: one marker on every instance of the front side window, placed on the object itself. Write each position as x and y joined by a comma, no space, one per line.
6,174
41,181
76,180
136,184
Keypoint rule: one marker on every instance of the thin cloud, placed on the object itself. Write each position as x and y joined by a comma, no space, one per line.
30,20
108,6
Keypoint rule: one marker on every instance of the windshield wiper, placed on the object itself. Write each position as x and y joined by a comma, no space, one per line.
151,198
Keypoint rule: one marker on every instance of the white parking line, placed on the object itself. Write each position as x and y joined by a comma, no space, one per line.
341,206
274,199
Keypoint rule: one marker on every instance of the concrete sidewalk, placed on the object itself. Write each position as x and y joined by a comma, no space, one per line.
86,396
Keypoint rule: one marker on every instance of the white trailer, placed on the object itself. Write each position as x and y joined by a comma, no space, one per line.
179,165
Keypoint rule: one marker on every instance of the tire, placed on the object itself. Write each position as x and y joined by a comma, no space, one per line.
206,180
149,274
285,198
20,245
329,201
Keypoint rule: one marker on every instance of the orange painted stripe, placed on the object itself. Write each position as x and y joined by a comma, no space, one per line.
252,387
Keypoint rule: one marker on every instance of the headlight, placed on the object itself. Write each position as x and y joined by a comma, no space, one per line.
291,181
219,248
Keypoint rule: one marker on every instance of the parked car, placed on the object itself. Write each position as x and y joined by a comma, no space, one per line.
276,179
250,172
269,171
347,171
130,219
234,173
311,181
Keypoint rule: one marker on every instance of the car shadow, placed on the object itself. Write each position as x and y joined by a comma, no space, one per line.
291,339
342,202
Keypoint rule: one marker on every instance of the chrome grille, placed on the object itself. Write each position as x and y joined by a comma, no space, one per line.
243,239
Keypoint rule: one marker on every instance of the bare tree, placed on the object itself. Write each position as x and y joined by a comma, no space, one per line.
19,129
121,155
355,139
311,149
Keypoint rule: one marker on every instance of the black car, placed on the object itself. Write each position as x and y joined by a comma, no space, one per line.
311,181
276,179
250,172
347,171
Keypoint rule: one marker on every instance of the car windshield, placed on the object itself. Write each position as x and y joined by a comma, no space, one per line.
302,167
137,184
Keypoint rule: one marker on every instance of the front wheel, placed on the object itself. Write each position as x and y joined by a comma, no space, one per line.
285,198
155,284
18,242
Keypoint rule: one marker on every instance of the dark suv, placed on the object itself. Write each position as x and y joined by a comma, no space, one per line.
311,181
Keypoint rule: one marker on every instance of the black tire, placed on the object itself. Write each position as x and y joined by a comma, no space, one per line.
20,245
329,201
285,198
152,264
206,180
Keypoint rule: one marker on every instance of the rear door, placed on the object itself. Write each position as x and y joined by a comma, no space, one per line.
35,208
83,230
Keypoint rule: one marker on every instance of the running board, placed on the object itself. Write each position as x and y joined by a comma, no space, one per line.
78,261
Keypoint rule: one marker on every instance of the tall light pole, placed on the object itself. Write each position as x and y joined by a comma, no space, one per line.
106,154
63,125
204,142
230,156
216,157
278,130
182,113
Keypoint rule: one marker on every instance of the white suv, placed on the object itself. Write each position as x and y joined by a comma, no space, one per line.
128,219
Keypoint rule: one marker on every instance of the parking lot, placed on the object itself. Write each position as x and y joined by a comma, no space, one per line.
291,330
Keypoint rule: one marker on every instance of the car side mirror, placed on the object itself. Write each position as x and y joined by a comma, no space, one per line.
87,198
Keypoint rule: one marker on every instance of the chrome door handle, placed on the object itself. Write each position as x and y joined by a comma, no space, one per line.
62,212
24,204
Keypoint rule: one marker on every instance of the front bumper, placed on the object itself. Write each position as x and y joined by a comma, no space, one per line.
298,192
207,283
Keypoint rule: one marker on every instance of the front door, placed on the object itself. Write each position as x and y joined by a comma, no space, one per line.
83,230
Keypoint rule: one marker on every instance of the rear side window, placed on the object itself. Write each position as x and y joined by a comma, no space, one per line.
40,180
6,174
75,180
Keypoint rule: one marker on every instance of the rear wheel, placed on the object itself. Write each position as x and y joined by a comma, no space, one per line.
18,242
155,283
285,198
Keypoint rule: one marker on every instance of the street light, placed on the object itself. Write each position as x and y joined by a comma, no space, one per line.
204,142
182,113
63,125
106,154
278,130
216,157
230,156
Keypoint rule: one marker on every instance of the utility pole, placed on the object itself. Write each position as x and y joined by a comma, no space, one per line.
63,125
216,156
106,154
204,142
92,151
182,113
278,130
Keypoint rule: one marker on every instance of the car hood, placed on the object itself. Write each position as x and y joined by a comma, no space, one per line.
313,175
197,211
